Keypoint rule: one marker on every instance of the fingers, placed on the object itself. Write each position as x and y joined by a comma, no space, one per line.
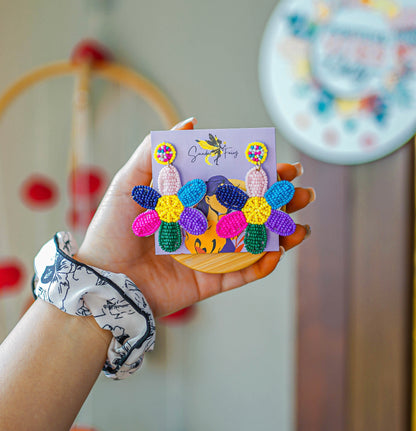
260,269
288,171
138,169
301,198
267,263
301,233
187,124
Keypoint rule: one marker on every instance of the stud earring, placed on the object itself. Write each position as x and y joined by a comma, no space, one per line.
170,208
258,208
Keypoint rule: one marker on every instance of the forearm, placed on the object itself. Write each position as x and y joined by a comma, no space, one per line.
48,365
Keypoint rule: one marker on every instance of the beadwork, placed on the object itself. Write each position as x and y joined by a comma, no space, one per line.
257,213
256,210
169,208
165,153
255,239
256,153
259,208
172,208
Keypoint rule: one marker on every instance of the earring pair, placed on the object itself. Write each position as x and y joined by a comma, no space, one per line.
171,209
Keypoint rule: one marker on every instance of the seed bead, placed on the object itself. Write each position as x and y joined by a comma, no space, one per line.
256,153
164,153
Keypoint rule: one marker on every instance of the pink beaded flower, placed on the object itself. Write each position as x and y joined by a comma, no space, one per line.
255,211
171,209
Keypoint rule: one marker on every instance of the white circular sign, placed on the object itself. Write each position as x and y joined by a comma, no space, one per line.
340,81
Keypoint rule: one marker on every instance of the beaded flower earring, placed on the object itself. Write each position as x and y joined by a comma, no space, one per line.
170,209
258,208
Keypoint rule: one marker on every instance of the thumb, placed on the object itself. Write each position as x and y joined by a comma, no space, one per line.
138,169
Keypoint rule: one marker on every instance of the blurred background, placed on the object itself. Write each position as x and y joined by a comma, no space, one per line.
323,343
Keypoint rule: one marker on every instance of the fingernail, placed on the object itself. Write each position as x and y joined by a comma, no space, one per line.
299,168
183,123
308,231
312,194
283,253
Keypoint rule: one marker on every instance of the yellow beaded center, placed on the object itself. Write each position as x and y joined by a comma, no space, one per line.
169,208
257,210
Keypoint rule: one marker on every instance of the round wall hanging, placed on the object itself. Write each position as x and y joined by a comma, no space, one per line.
338,78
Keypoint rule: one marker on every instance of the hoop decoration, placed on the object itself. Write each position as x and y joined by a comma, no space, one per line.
172,208
258,208
107,70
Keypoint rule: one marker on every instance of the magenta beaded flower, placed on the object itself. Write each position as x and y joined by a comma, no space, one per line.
256,210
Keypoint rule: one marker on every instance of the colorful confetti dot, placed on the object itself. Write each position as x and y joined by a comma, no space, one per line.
303,121
330,137
351,125
368,141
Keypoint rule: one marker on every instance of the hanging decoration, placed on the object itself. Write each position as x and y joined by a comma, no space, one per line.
86,186
12,275
86,182
39,192
338,77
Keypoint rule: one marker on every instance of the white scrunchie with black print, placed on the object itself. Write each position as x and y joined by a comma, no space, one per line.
113,300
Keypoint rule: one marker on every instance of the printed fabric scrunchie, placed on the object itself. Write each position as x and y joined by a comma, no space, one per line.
112,299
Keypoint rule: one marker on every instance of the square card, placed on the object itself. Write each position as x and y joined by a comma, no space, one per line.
216,156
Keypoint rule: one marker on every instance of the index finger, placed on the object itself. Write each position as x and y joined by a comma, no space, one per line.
138,169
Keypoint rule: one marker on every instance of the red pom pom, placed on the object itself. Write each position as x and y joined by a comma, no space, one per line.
11,275
90,50
180,317
87,181
39,192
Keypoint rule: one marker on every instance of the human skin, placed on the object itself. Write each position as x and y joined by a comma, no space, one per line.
51,360
167,285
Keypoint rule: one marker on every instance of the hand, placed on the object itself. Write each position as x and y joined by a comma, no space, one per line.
166,284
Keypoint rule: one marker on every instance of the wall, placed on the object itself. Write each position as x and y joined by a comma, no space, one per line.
233,366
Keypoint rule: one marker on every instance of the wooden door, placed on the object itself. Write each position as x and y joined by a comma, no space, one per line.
354,297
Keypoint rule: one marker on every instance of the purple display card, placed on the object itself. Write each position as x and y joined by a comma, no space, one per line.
223,164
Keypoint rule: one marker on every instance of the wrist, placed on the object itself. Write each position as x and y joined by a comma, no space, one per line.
77,329
112,299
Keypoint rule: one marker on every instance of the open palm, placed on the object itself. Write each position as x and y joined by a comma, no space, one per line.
167,285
